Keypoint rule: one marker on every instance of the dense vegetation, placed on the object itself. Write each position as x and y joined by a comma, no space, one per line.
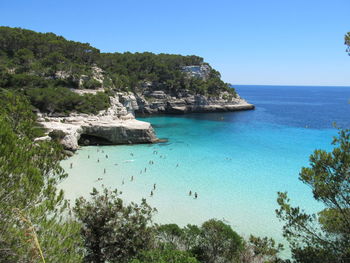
44,66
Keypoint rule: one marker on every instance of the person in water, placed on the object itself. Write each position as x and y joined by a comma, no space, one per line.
154,186
98,160
104,170
106,156
190,193
151,193
132,178
195,195
88,156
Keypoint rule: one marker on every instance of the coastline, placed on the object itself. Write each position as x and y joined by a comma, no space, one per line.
118,125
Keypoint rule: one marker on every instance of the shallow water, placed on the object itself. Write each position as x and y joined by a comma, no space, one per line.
236,162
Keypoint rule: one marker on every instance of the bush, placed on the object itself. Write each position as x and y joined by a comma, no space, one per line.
165,256
113,231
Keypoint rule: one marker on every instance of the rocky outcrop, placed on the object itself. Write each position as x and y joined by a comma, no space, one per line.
158,102
102,131
110,127
117,124
200,71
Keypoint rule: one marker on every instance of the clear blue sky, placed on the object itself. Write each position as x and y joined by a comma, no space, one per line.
293,42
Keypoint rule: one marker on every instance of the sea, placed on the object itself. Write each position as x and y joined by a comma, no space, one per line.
235,162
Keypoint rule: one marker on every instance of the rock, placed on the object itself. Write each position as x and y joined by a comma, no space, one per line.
186,103
198,71
68,153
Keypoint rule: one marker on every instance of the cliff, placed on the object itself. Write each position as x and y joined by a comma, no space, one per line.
89,97
110,127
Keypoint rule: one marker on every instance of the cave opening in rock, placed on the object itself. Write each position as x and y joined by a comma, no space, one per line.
86,139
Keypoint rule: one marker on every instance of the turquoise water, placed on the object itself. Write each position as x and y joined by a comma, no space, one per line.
236,162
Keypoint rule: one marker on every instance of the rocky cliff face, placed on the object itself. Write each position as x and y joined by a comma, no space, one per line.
110,127
158,102
117,124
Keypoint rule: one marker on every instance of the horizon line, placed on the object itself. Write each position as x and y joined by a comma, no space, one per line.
290,85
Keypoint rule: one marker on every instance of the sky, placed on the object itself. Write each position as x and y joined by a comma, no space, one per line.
257,42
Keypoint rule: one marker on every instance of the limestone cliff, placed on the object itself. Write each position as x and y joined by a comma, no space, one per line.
110,127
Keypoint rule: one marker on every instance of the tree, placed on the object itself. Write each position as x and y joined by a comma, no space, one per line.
31,221
218,243
111,230
264,250
165,256
347,42
325,236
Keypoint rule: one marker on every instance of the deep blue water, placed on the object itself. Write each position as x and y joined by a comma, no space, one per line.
236,161
297,106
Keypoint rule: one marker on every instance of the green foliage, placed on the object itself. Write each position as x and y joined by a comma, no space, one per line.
57,135
262,249
63,100
326,235
31,60
113,231
347,42
214,241
91,84
30,203
219,243
165,256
